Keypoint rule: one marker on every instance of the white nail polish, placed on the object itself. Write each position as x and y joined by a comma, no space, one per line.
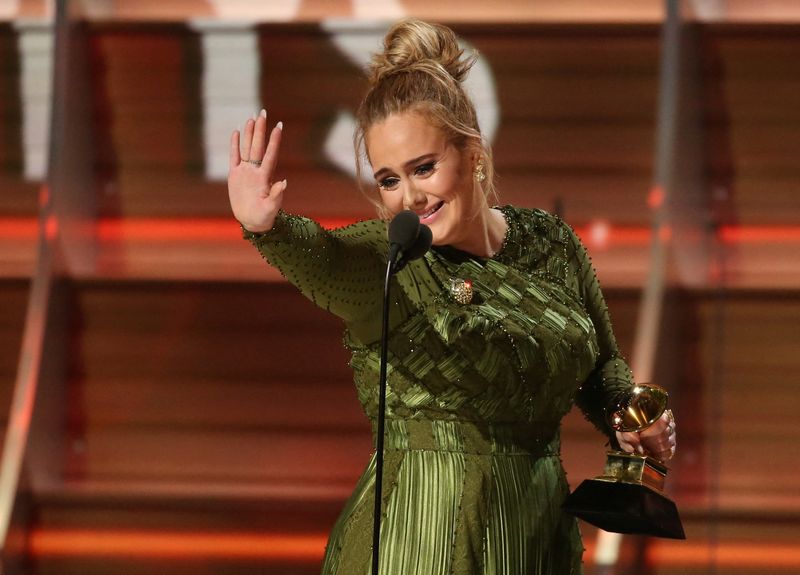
263,113
279,125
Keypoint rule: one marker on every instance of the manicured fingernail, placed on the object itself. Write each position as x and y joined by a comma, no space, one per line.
279,125
263,113
285,184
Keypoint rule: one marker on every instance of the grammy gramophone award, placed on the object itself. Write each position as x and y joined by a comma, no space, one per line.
628,496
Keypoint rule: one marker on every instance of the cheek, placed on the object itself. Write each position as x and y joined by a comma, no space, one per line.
455,185
392,200
386,197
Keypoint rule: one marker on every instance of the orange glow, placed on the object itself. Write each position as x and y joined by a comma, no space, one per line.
759,234
733,554
183,229
178,545
596,234
656,197
311,547
19,228
614,235
51,227
599,232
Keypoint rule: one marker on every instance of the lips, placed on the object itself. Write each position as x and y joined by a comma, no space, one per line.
433,210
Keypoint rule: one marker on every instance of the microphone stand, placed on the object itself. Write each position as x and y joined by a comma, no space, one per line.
409,240
381,425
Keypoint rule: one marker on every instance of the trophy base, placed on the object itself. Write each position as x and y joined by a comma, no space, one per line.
623,507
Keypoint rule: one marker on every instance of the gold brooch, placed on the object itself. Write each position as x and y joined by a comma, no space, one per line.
461,290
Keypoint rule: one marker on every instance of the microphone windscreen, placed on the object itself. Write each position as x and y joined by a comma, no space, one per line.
404,229
419,247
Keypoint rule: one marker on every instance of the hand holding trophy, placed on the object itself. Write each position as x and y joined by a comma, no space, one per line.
628,496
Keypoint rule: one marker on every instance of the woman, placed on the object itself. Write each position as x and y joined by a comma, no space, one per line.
480,376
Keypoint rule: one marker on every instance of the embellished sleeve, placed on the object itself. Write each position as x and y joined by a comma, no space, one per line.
611,380
340,270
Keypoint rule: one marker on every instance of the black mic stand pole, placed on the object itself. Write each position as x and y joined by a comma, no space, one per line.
381,425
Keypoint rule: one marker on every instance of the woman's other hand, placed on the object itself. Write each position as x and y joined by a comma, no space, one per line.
658,441
254,195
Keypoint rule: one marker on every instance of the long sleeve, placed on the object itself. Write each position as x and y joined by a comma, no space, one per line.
611,380
340,270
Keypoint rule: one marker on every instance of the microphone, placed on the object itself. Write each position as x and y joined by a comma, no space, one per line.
403,232
417,249
408,239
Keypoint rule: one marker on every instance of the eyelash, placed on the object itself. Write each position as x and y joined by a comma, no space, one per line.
421,170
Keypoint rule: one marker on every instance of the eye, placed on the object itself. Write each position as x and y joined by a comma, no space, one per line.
424,169
389,183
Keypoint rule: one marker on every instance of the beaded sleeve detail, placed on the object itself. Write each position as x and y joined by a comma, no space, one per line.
611,379
339,270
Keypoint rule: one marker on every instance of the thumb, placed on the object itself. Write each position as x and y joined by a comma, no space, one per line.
277,189
630,442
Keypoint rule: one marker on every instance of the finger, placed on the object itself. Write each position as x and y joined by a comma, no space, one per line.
259,136
277,189
630,442
659,444
627,447
249,127
657,428
235,157
270,159
665,455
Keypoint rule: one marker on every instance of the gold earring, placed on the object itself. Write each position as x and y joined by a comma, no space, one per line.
480,175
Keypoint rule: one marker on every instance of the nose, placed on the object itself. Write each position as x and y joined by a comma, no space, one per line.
414,198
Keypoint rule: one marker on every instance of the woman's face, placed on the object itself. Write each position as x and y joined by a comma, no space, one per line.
417,169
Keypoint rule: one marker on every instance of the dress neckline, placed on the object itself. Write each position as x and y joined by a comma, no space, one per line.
458,256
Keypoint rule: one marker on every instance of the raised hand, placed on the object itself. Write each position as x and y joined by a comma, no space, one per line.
254,195
657,441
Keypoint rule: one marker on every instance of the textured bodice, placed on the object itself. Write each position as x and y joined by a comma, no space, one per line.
517,353
535,333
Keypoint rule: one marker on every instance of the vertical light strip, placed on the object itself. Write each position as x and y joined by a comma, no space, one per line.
36,79
230,86
232,71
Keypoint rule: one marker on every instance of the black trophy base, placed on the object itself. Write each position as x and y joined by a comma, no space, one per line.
622,507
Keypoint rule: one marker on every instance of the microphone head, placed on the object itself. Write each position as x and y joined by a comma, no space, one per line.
404,229
418,248
422,245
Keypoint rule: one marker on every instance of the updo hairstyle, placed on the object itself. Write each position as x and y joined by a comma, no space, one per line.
421,70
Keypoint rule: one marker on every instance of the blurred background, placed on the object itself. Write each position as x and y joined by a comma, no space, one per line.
170,405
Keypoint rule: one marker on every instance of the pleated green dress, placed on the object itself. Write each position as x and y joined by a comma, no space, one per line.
473,480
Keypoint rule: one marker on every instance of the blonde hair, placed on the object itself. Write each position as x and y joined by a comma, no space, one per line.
421,70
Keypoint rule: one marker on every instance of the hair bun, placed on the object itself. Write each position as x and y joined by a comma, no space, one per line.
411,42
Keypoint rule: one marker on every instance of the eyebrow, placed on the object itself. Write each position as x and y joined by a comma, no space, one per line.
411,162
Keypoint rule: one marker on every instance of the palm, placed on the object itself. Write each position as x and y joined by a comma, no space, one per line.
254,195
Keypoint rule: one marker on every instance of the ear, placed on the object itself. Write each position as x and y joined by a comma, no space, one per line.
477,157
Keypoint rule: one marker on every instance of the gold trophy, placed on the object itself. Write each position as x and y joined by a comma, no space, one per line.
628,497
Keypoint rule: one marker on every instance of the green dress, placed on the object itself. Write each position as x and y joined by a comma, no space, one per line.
473,480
